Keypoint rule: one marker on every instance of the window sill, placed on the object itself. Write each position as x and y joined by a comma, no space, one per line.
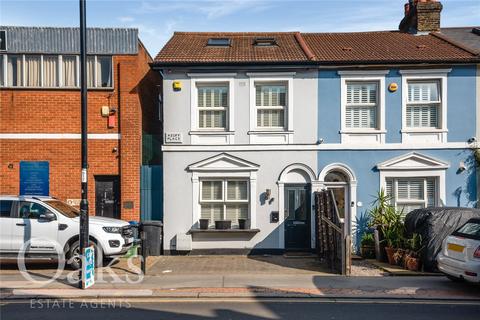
211,132
362,131
423,130
217,231
270,132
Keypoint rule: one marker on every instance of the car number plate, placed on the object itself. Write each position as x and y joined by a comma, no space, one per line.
455,247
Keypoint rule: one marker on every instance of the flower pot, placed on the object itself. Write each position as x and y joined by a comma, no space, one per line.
413,264
367,252
203,224
242,224
390,252
399,257
223,224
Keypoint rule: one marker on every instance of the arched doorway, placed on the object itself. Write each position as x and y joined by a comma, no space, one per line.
295,207
342,181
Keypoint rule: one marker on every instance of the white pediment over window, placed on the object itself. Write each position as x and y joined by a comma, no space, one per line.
413,161
223,162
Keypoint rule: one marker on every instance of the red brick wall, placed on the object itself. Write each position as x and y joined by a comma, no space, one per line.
58,111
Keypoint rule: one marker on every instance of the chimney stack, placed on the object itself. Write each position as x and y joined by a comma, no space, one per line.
421,16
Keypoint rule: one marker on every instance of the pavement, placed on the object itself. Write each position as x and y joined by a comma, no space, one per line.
210,277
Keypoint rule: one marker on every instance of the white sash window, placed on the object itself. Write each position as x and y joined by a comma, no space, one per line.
271,104
224,199
362,105
408,194
423,104
212,104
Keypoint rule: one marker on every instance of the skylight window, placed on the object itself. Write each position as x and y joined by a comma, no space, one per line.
265,42
219,42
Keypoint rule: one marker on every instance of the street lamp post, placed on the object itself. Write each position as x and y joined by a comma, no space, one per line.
83,99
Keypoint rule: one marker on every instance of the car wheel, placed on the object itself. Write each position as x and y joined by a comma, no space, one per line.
454,279
74,256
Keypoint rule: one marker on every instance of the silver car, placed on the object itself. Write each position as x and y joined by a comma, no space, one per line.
460,255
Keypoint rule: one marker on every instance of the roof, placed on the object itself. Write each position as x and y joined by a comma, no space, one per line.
67,40
191,47
321,48
469,36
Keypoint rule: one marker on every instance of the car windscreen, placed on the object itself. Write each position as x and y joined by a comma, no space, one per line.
64,208
470,230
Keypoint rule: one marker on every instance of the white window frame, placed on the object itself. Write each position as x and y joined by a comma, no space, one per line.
220,167
415,165
425,135
211,135
59,72
281,135
423,202
373,136
224,201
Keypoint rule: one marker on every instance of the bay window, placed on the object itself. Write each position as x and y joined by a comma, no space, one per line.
423,104
271,105
224,199
212,104
408,194
362,104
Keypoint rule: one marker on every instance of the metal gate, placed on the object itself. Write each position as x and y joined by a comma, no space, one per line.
333,244
151,192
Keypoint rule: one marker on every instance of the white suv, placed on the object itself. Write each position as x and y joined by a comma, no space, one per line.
46,224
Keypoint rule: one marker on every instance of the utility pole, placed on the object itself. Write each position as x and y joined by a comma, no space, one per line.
83,99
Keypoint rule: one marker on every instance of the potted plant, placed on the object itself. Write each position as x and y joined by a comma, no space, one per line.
377,216
390,238
367,246
412,258
242,224
203,224
223,224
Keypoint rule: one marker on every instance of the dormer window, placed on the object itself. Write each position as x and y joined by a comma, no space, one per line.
265,42
219,42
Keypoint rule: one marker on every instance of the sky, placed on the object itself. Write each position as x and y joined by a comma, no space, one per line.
157,20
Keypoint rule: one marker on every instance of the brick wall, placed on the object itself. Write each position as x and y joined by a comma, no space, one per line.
58,111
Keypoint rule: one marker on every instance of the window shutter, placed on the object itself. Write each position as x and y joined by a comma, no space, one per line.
389,190
411,189
423,91
431,191
361,117
237,190
361,109
270,95
361,93
211,190
422,116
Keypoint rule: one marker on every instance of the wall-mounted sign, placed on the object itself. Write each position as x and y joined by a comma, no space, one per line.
392,87
173,137
34,178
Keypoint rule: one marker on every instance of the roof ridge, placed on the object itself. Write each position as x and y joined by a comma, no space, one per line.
455,43
240,33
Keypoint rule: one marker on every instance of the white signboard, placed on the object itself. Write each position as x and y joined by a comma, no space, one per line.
88,267
74,202
173,137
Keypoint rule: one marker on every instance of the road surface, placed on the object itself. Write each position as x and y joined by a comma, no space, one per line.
257,309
